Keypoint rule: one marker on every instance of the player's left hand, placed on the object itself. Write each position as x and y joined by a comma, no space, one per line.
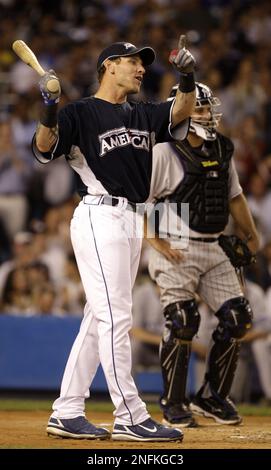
181,58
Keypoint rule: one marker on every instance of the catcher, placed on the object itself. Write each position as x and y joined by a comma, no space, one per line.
200,171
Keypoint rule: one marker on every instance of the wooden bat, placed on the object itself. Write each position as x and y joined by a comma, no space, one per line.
28,57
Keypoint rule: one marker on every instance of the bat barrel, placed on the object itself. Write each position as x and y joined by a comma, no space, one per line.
27,56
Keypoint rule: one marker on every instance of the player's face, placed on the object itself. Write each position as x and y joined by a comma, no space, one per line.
129,73
202,114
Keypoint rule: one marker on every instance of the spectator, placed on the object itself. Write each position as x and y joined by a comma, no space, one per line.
15,170
22,255
17,298
71,296
259,202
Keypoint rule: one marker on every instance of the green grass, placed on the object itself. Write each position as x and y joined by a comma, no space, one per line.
45,405
254,410
106,406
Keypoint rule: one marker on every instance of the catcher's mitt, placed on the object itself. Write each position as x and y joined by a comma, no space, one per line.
237,250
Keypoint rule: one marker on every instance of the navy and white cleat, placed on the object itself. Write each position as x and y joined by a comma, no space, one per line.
148,430
75,428
221,410
178,416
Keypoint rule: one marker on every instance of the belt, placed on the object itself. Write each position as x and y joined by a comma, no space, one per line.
202,239
112,201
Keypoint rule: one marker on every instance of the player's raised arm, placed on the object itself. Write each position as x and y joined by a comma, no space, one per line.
47,130
183,61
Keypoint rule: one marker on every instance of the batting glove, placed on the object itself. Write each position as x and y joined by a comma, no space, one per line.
49,97
181,58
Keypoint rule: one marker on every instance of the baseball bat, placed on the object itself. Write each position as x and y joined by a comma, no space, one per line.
28,57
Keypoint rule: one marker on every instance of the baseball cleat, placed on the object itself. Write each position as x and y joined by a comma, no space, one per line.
148,430
75,428
178,416
222,411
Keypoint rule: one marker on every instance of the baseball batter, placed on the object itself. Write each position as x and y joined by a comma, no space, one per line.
200,171
108,141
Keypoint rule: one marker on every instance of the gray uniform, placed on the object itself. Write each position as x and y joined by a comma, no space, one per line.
206,178
205,268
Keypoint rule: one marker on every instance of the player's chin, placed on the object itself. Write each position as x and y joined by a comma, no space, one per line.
135,88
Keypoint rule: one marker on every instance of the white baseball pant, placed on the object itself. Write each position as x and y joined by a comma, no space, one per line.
107,253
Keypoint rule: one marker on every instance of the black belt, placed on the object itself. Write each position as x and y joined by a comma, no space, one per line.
109,201
202,239
199,239
114,201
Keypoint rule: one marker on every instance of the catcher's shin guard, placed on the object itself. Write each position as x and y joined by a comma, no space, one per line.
182,322
174,358
234,319
222,362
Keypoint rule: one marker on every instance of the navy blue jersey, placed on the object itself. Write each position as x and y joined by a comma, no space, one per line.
110,145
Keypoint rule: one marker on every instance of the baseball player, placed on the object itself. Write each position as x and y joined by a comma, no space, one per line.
199,171
108,141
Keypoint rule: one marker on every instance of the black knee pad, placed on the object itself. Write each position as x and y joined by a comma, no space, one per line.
182,320
235,319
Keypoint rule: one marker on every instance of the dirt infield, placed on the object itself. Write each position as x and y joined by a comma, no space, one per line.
26,430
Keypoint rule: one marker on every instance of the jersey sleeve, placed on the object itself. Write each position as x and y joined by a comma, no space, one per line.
160,175
234,186
160,117
66,137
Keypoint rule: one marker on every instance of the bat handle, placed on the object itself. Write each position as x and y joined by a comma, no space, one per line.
53,86
38,69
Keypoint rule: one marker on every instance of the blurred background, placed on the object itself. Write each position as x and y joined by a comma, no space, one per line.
38,275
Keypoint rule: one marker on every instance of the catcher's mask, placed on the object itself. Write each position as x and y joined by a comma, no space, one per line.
205,118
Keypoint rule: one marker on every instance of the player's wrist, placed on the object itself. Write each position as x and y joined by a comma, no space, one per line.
187,82
48,117
48,99
51,102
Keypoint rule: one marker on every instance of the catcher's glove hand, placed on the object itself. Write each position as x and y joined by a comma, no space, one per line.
237,250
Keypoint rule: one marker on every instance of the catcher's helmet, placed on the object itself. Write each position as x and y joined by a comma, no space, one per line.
202,123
